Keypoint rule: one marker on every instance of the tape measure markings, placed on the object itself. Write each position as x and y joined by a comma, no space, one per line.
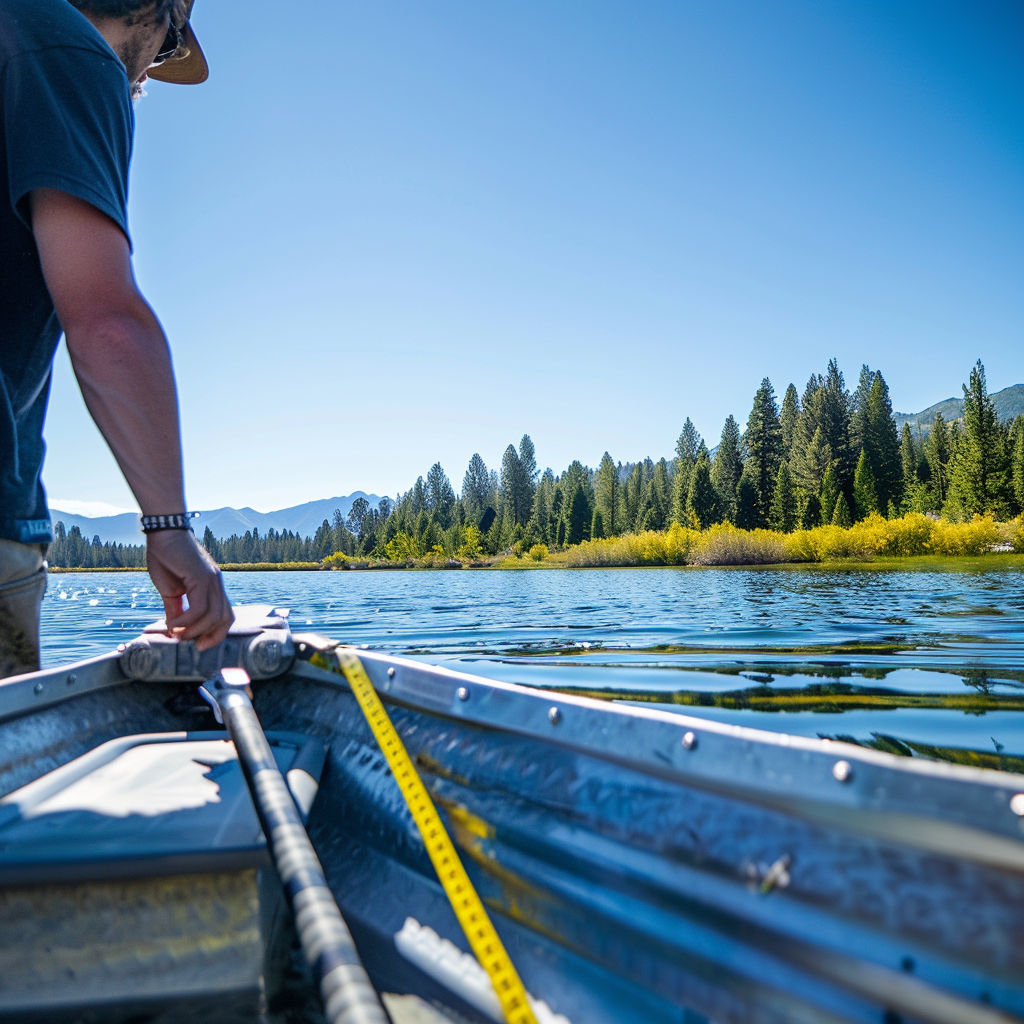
477,926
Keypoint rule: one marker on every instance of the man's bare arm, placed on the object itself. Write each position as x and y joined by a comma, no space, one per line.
123,365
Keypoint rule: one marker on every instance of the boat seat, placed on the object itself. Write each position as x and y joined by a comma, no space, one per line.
136,880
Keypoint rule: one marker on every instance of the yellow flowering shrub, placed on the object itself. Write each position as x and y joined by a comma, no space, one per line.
973,538
1017,535
647,548
725,544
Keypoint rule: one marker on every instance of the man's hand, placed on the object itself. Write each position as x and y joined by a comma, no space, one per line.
179,566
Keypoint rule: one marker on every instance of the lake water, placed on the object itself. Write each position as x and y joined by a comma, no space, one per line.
905,661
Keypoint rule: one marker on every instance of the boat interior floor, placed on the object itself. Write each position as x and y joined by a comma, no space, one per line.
136,884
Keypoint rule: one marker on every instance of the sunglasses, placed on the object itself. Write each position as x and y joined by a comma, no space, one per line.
169,47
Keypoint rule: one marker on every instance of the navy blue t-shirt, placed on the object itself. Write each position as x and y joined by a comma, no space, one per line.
66,122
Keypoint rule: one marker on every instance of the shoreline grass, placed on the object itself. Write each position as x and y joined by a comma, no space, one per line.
992,562
913,542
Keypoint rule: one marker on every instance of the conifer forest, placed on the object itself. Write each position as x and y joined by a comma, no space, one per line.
828,456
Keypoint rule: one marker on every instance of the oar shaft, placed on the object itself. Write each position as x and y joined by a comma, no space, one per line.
348,996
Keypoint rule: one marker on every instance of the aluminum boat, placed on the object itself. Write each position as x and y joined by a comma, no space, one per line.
639,865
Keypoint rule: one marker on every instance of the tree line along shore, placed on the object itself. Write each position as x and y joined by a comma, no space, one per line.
820,476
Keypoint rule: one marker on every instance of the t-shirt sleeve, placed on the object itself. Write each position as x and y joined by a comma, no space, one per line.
69,126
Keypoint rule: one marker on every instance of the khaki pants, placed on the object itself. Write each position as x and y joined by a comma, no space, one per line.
22,585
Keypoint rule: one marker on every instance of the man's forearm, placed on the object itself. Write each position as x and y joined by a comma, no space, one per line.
117,345
123,366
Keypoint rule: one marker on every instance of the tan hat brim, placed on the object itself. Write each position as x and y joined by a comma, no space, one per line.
191,69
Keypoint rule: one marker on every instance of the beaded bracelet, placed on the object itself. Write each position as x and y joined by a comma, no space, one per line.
175,521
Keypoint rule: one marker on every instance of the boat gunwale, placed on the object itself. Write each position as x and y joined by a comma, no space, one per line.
953,809
939,809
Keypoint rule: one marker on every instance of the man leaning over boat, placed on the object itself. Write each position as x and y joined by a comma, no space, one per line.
69,71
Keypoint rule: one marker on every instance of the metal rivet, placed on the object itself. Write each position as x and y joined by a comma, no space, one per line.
38,687
843,771
391,672
554,716
1017,804
71,679
462,693
689,740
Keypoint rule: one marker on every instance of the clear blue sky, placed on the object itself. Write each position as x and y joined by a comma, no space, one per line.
387,234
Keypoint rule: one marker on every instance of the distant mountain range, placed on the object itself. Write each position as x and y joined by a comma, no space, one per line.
301,519
1009,405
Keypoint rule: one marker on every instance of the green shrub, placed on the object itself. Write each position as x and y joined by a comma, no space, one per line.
402,549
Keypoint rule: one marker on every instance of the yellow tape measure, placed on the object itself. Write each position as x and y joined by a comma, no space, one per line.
483,939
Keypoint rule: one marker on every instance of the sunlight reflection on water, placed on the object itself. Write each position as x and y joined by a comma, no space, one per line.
911,632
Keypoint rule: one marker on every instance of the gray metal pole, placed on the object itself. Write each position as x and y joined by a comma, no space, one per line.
347,994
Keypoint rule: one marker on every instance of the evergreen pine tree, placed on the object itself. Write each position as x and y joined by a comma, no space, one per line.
597,525
528,457
788,416
210,542
578,516
937,450
747,509
841,515
908,459
540,520
358,511
516,489
1017,461
825,407
323,543
882,446
687,448
660,481
979,475
811,512
577,473
633,494
702,502
808,470
417,498
859,408
764,447
608,496
688,444
557,525
865,492
440,497
727,468
835,420
783,511
654,506
680,492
